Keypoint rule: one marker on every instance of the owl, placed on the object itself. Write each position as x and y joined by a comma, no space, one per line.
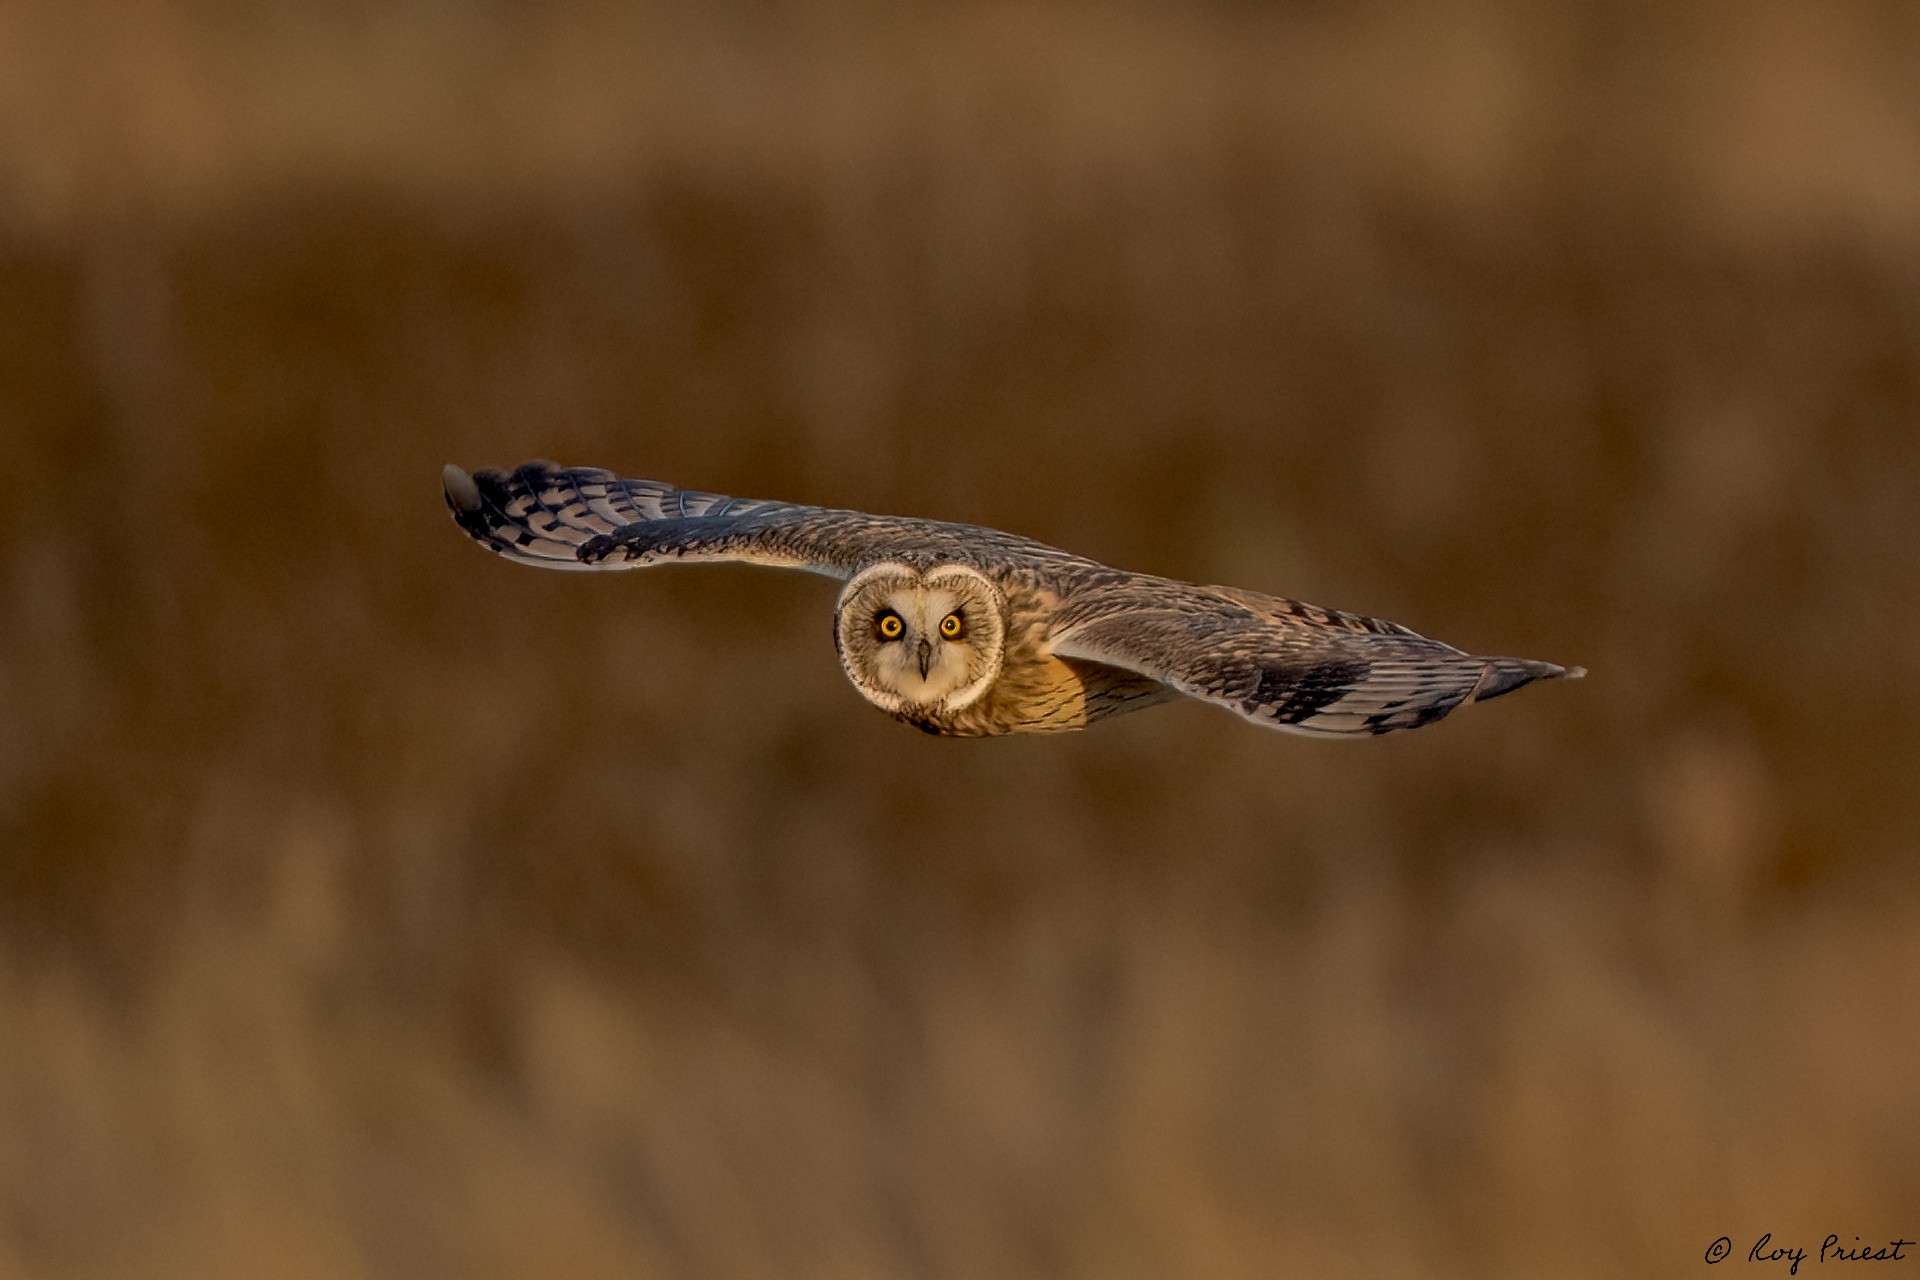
968,632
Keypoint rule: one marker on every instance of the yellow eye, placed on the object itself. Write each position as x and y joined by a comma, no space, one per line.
890,626
951,626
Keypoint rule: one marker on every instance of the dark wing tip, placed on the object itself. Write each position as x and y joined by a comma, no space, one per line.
463,495
1504,675
467,498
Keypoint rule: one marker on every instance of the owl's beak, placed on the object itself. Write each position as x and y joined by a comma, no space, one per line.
926,657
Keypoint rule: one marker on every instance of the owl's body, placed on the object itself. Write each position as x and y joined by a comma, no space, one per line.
968,631
1035,690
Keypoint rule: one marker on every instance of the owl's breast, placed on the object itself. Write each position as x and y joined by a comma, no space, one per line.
1037,692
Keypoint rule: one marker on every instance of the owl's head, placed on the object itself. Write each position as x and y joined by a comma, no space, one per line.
912,639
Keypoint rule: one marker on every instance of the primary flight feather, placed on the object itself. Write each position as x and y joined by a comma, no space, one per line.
968,631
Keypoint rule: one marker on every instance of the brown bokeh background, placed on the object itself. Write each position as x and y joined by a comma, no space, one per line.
371,907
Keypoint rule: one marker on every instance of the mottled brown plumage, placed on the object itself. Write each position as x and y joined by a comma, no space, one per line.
968,631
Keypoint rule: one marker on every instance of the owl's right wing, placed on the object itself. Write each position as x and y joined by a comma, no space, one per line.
585,518
1282,663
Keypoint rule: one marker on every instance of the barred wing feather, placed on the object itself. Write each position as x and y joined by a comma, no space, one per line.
1285,664
587,518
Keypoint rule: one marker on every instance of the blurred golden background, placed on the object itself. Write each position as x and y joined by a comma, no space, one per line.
371,907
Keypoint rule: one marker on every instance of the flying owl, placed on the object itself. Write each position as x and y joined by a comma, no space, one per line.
967,631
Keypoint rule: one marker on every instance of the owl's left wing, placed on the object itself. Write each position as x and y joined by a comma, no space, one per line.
585,518
1282,663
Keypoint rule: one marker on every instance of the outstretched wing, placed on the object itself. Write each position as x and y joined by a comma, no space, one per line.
586,518
1281,663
